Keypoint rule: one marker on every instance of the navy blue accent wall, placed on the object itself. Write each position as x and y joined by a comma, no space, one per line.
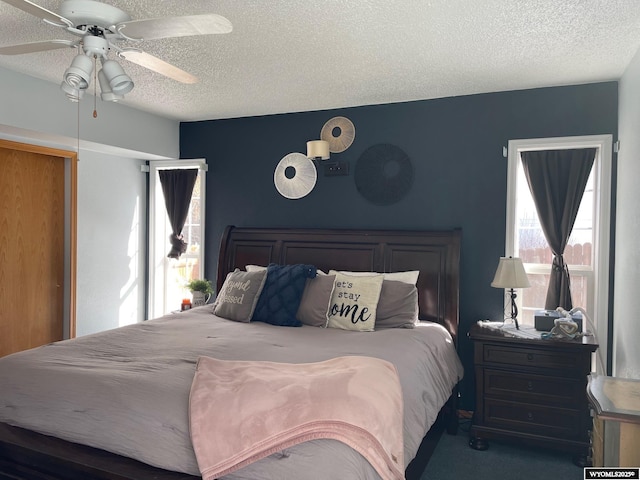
455,145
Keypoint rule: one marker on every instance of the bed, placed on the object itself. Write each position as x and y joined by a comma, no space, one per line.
69,391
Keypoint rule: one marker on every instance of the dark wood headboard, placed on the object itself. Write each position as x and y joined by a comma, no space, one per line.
436,254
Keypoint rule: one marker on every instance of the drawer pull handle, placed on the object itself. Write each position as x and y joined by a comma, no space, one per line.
529,416
530,357
530,386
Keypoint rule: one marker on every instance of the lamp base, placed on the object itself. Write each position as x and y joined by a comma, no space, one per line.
514,308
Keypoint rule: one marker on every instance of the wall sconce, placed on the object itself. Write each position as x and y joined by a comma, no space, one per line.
318,150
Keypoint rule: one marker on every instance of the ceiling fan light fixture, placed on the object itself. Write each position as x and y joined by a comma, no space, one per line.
78,75
105,89
119,81
95,46
73,94
100,28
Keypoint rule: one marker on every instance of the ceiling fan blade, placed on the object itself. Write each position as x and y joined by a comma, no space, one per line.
159,66
33,47
170,27
38,11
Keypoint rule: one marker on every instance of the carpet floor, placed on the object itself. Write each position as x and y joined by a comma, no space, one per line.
453,459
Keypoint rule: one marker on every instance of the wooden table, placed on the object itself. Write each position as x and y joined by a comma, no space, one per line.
616,421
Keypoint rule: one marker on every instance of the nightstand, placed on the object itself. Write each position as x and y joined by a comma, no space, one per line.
616,421
531,390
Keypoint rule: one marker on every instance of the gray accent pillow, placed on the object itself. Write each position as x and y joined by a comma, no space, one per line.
239,295
315,301
398,305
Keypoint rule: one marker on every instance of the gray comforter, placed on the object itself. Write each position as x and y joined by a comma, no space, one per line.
127,390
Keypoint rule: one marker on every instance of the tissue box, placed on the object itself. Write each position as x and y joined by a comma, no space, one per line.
544,319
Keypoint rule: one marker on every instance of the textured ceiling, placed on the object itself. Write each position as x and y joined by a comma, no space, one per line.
300,55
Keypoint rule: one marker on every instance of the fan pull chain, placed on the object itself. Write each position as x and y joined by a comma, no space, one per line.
95,86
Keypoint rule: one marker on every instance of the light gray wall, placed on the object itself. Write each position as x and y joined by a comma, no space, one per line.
111,242
30,106
626,323
112,193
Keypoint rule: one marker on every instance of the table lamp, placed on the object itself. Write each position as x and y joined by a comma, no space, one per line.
510,275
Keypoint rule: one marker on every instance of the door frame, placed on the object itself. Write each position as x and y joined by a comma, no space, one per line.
71,230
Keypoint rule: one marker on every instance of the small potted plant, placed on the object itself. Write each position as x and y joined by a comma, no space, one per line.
201,291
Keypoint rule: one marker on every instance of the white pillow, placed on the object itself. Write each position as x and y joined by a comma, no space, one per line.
254,268
257,268
354,301
410,277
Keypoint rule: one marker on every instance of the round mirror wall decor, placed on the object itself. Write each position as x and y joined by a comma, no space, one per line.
383,174
295,176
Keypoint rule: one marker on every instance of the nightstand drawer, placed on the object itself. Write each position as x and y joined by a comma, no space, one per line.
535,419
533,388
540,358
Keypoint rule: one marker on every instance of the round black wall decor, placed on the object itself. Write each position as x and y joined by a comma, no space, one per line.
383,174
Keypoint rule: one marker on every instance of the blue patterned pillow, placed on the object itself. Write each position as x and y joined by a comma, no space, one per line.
281,294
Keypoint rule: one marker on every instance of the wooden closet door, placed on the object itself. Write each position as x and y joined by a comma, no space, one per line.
32,209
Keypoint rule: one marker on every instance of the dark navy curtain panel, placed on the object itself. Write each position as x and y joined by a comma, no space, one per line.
177,186
557,179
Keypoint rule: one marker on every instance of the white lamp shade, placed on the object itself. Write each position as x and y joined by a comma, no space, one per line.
318,149
78,75
105,89
510,274
73,94
119,81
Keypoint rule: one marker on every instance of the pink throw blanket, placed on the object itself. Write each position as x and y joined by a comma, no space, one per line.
242,411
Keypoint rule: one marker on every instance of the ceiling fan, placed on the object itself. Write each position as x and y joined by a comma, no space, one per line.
101,27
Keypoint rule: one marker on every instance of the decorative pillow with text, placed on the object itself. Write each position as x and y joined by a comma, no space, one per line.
354,301
239,295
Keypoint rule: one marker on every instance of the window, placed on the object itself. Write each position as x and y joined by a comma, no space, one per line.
168,276
587,252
